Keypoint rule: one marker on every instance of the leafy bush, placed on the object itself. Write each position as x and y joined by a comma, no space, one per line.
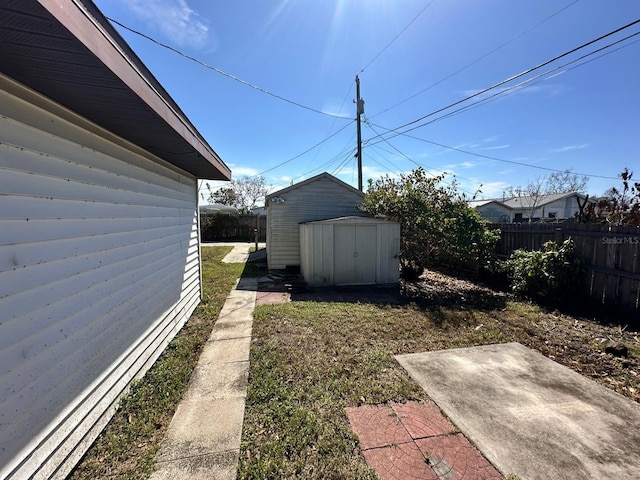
436,222
549,275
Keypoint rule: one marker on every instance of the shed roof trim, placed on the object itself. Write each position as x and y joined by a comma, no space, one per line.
320,176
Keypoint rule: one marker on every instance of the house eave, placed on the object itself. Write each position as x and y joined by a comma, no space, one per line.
68,51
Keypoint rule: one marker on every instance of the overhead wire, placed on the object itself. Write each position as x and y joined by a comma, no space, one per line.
490,157
425,167
301,154
396,37
519,86
476,60
223,73
519,75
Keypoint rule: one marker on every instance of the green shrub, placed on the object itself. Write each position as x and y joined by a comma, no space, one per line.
550,275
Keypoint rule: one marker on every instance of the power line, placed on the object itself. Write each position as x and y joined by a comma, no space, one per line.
419,165
303,153
489,157
477,59
225,74
519,75
518,86
396,37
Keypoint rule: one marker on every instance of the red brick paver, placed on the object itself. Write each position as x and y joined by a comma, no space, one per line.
399,462
454,452
377,426
423,419
416,441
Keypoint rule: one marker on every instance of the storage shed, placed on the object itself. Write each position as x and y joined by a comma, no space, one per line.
350,251
317,198
99,253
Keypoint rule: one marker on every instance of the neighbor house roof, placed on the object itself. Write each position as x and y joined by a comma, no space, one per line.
69,52
482,203
525,201
324,175
214,208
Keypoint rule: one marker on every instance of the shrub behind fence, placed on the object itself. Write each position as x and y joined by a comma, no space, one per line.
611,254
225,227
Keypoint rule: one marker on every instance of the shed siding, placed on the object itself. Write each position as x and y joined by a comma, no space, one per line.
350,251
99,268
318,200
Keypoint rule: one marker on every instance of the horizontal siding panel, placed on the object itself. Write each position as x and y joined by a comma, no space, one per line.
24,359
67,141
25,278
24,160
318,200
20,255
36,207
91,411
23,183
20,231
99,268
84,287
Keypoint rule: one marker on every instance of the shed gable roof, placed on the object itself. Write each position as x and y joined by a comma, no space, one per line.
69,52
321,176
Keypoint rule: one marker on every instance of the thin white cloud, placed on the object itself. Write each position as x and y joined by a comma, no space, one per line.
174,19
338,108
567,148
497,147
239,172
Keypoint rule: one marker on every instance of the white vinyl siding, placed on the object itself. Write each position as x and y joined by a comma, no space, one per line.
99,268
317,200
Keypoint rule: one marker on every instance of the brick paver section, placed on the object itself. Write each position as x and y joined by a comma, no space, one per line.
415,440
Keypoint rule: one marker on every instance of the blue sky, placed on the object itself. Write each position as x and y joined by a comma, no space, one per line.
309,52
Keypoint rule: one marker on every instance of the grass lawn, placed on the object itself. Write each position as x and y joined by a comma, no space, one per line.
309,360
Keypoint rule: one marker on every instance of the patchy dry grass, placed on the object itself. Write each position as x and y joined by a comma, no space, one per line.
310,360
127,446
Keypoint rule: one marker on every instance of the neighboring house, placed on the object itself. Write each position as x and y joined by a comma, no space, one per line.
557,206
492,210
318,198
260,211
215,208
99,253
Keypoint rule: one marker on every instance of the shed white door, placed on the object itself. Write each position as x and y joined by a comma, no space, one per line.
355,254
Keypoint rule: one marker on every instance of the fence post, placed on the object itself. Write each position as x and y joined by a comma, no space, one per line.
559,235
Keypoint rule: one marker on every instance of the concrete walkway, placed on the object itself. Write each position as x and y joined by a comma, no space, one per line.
240,252
203,440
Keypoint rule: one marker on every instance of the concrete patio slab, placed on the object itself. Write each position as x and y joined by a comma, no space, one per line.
531,416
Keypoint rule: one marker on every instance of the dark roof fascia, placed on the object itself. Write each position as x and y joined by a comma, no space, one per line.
110,71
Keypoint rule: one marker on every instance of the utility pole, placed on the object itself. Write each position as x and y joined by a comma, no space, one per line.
359,112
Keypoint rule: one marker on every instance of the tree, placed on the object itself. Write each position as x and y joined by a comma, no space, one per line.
541,187
617,206
243,193
436,222
566,182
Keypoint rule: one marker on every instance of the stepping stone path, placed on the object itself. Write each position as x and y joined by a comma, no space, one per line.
415,440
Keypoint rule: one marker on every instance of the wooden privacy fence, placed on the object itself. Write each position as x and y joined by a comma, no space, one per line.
611,255
225,227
